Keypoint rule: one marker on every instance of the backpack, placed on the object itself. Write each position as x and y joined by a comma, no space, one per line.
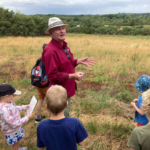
38,74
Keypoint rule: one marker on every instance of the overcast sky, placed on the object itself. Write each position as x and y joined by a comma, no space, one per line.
76,7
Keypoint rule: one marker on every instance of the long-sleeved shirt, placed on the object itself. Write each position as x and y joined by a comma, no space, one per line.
58,66
10,119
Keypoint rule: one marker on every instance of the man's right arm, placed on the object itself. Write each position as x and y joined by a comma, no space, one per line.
77,76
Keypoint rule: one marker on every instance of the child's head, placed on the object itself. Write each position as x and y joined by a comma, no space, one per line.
146,103
143,83
56,99
7,90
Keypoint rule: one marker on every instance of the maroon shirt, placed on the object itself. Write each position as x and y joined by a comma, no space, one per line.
58,66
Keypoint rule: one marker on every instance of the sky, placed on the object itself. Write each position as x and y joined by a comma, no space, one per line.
76,7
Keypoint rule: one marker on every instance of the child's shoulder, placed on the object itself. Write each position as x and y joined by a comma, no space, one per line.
44,122
140,98
73,121
5,105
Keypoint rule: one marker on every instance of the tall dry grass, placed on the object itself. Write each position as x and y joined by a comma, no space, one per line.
113,54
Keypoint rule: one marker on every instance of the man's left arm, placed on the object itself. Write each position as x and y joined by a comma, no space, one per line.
75,62
86,61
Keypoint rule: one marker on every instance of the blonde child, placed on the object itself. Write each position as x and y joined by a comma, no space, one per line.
142,85
140,136
58,132
10,120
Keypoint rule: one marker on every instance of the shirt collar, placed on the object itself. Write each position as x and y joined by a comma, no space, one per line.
64,45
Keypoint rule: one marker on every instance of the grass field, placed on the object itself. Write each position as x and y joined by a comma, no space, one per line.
102,101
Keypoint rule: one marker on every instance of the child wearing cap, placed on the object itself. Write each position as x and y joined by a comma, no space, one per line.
58,132
140,136
10,120
142,85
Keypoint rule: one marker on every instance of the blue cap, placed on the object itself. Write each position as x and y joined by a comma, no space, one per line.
143,83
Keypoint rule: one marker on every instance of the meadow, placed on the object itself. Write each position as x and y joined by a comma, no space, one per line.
102,100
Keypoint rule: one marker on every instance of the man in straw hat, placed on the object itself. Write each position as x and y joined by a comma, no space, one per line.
59,62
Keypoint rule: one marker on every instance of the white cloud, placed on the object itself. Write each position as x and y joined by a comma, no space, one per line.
76,6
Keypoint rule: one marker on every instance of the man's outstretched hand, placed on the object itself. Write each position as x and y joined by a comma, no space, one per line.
86,61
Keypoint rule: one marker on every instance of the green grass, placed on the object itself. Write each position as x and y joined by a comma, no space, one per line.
116,129
17,83
92,127
122,129
98,145
100,79
124,96
95,102
25,81
117,111
79,148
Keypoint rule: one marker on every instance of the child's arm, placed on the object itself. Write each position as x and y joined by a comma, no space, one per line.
81,133
81,143
23,107
40,148
14,120
136,108
135,100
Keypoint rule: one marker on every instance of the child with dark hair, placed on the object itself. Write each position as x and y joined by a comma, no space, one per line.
41,94
10,119
142,85
58,132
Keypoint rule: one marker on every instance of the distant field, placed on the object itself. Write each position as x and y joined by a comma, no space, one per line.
102,101
129,26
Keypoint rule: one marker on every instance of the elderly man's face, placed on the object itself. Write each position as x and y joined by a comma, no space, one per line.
59,33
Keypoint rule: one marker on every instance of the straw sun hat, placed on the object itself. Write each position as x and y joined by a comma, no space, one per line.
55,22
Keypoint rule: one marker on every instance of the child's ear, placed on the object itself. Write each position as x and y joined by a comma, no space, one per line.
6,96
46,106
67,104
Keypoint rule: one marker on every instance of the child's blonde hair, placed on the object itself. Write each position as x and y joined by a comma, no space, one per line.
56,99
146,103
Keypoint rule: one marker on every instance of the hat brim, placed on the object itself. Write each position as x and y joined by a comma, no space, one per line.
137,86
65,25
17,92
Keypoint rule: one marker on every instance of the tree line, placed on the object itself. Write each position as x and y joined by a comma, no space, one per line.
17,24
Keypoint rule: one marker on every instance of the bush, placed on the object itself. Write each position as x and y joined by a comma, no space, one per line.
146,31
